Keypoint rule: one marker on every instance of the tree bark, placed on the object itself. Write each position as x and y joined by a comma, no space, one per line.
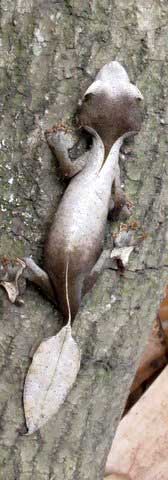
50,52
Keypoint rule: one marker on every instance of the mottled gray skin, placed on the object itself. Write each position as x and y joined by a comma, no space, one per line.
77,233
109,111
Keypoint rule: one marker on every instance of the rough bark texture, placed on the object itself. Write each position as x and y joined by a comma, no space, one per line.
50,51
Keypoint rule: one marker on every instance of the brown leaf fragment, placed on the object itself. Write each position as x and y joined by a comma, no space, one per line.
163,317
122,254
15,272
50,377
11,289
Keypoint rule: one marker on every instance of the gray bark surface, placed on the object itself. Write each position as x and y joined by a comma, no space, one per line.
50,52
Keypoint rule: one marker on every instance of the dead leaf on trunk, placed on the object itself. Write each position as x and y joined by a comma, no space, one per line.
14,270
50,377
122,254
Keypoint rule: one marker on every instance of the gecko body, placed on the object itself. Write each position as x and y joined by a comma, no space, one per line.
110,112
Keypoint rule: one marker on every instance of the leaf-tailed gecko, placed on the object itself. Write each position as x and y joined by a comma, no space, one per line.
110,111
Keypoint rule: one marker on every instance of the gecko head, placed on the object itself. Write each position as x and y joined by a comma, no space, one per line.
112,105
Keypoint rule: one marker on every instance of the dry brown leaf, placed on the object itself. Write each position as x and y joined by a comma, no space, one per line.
152,359
140,443
50,377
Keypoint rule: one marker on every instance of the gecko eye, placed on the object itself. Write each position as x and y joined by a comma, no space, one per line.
139,99
87,97
135,92
139,96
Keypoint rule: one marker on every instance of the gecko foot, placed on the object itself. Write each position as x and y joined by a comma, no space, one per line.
59,138
58,127
122,206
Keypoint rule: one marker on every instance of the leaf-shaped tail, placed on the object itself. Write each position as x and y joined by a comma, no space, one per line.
51,375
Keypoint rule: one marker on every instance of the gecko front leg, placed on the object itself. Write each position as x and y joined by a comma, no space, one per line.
118,202
61,141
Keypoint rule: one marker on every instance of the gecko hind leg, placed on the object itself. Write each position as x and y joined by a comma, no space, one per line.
39,277
102,263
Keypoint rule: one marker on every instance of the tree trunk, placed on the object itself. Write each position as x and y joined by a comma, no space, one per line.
50,52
